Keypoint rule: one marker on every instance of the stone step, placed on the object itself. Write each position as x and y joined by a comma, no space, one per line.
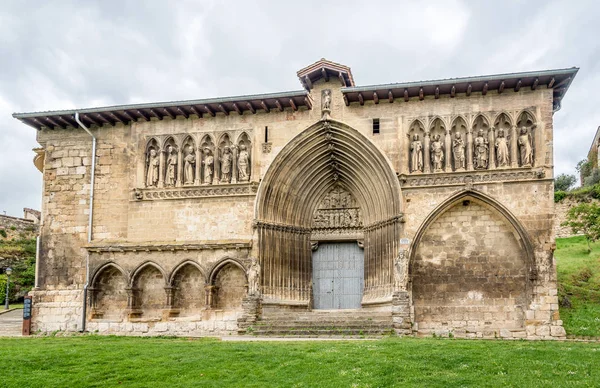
325,319
318,332
324,324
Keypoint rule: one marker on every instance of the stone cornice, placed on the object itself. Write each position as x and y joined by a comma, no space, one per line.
471,177
228,190
168,246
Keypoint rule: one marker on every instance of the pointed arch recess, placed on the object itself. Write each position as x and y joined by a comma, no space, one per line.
523,239
325,154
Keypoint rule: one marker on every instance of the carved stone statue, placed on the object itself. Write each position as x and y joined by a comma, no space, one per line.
254,278
153,163
416,150
525,148
208,163
502,154
243,164
400,272
171,175
226,163
458,151
188,166
437,154
481,154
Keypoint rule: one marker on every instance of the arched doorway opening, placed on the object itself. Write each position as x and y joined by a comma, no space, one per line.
325,157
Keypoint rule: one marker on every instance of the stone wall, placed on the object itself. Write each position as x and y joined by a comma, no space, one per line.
15,227
562,208
470,274
143,236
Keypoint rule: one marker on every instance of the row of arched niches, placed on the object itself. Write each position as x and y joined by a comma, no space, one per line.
151,293
481,142
197,159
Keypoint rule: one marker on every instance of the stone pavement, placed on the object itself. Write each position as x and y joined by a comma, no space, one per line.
11,323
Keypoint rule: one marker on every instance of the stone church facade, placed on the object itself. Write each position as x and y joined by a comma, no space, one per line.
427,204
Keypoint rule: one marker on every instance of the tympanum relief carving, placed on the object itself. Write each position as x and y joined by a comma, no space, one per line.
337,213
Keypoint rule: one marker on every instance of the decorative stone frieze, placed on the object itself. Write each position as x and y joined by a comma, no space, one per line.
469,177
230,190
184,246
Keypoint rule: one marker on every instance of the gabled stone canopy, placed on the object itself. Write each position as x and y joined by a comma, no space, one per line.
324,69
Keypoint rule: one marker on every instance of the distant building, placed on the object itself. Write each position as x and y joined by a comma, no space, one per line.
428,205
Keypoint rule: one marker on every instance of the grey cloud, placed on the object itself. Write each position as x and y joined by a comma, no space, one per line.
65,54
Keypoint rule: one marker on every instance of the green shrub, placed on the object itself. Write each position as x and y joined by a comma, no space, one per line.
13,228
3,233
559,195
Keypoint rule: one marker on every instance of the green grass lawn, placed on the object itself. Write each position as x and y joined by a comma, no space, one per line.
579,280
98,361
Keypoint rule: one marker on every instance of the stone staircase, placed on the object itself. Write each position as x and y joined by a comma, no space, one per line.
323,323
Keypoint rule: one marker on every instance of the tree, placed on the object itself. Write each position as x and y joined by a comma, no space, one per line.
584,168
585,218
564,182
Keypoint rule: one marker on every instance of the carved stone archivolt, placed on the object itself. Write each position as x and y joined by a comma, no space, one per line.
189,160
446,144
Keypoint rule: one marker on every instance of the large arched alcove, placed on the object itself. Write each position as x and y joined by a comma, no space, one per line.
327,154
470,267
109,292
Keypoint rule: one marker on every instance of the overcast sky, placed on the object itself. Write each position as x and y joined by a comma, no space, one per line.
74,54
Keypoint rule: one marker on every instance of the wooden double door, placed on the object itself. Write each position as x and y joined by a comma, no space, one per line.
338,276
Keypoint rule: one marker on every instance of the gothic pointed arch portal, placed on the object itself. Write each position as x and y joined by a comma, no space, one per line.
325,155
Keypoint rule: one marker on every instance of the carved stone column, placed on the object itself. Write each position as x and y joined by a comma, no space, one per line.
198,177
513,147
161,168
217,166
234,150
170,292
447,151
210,291
492,143
178,182
470,149
426,156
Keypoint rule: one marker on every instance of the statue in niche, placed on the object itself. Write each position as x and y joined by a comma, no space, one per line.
243,164
481,151
226,163
208,163
171,175
153,163
416,149
458,151
502,154
188,166
254,278
525,148
400,269
437,154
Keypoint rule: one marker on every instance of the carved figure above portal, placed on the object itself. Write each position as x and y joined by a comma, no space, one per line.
502,153
208,164
152,168
458,152
171,175
189,164
226,162
525,148
437,154
416,154
401,270
481,154
326,103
